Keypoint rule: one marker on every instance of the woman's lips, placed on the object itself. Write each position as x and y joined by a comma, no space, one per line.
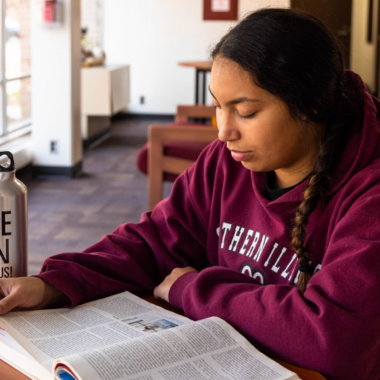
240,156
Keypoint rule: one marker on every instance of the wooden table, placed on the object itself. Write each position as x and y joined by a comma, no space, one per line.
201,70
9,373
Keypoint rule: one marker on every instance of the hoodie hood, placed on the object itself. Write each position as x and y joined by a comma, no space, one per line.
363,146
361,149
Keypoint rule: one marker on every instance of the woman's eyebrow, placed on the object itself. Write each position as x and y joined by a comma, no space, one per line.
237,100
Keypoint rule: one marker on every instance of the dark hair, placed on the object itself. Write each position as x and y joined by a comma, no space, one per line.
292,55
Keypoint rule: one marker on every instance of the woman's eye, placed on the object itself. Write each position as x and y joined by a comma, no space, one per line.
246,116
216,106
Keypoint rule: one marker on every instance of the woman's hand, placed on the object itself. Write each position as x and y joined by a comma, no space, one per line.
28,293
162,290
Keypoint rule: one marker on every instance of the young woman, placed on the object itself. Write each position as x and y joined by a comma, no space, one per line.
276,228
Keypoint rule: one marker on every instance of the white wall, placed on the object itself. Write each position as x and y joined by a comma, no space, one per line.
363,54
56,88
152,36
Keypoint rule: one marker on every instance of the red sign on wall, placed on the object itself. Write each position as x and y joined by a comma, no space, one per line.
220,9
48,12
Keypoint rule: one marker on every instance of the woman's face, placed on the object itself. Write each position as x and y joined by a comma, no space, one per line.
258,128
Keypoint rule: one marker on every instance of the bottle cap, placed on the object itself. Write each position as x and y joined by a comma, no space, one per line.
8,165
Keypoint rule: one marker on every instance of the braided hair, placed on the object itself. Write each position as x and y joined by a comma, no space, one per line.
292,55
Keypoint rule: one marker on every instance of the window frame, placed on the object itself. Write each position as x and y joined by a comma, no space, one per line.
4,80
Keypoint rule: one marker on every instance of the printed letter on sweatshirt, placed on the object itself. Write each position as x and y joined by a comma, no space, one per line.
271,254
254,243
244,247
275,268
264,241
225,227
235,240
286,270
317,268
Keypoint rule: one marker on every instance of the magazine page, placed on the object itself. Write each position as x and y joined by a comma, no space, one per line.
14,354
50,334
207,349
7,339
25,364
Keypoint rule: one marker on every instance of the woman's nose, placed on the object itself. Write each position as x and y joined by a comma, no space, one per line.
226,127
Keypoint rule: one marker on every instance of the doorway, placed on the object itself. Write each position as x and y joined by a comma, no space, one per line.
336,15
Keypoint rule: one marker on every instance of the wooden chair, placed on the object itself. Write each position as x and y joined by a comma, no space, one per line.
159,163
187,147
184,113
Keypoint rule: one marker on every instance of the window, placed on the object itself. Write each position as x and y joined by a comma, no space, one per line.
15,68
91,19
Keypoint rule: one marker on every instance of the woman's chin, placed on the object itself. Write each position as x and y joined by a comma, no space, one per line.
253,166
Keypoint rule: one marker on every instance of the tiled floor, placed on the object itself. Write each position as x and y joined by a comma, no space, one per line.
68,215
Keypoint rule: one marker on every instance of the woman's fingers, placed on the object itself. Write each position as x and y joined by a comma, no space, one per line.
26,293
9,302
162,290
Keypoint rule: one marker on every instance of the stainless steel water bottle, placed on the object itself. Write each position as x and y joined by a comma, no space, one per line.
14,221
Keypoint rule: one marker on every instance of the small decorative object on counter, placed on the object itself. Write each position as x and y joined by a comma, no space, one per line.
13,219
92,55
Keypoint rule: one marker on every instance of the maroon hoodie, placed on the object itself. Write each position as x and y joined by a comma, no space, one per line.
219,221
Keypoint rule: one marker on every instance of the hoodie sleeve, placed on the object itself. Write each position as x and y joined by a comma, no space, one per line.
136,257
333,328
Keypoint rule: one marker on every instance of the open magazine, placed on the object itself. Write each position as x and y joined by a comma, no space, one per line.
125,337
